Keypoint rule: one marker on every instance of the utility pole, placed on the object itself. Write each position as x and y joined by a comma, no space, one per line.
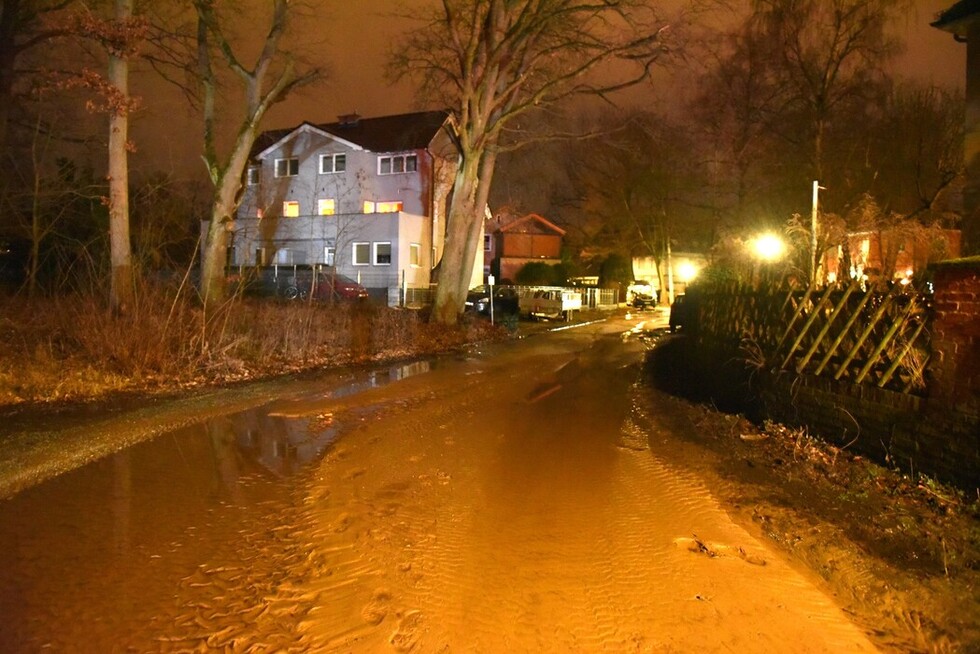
813,233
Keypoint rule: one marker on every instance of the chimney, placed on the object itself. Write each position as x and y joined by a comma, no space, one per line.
349,120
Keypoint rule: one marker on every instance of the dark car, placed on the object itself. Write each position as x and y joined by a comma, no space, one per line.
326,285
505,301
682,313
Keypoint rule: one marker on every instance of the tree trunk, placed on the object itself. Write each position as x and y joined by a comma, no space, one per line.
215,255
121,288
464,222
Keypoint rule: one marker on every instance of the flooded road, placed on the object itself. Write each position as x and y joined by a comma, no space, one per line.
524,499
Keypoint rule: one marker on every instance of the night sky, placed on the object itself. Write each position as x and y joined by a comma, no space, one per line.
354,38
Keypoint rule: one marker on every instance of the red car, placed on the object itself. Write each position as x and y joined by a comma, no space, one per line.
331,286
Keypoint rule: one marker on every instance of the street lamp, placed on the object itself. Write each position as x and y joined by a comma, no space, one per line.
768,247
687,271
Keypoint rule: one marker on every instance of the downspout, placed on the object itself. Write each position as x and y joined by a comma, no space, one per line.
432,213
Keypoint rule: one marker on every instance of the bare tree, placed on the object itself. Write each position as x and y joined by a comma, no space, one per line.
738,107
910,175
24,27
495,62
270,80
121,41
827,55
644,185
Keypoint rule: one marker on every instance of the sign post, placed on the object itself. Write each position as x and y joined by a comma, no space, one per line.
490,281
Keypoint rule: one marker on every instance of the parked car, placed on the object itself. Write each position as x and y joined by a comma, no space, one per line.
551,303
682,313
505,300
290,285
643,301
331,286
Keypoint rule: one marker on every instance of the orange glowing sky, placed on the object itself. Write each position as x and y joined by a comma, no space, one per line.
354,38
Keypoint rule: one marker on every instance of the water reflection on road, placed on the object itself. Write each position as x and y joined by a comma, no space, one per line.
91,559
508,503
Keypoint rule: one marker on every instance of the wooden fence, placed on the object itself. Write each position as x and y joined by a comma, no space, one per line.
865,336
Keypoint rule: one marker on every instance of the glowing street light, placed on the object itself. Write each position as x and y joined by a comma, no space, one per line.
769,247
687,271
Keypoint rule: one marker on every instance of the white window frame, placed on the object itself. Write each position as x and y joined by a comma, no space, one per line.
415,255
252,179
333,159
399,161
287,169
329,255
374,253
367,252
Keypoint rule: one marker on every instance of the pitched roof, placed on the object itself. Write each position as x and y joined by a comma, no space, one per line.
512,226
412,131
956,18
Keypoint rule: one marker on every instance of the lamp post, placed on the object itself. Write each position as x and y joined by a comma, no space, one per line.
813,231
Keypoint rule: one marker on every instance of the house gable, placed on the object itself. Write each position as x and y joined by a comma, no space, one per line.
384,134
532,223
305,128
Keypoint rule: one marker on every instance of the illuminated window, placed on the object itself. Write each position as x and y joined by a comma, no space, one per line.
400,163
259,212
326,206
382,254
415,255
388,207
290,209
368,206
332,163
362,254
253,175
287,167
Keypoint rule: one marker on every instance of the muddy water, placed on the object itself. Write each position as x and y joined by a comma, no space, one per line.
495,504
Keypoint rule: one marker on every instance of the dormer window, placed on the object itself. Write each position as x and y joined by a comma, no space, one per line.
399,163
332,163
287,167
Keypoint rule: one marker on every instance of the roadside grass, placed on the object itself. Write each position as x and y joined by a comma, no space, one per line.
75,348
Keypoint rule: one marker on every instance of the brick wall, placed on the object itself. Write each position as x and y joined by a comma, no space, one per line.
955,367
938,434
913,434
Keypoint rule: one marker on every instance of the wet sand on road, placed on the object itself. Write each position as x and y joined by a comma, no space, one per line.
504,503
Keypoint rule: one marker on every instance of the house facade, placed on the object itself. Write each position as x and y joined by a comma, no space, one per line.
892,255
510,242
365,196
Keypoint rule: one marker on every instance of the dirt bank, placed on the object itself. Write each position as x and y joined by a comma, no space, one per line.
901,554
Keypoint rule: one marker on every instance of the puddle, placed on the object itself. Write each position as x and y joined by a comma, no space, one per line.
93,556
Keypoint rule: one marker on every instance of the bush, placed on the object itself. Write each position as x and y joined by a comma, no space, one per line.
536,273
76,347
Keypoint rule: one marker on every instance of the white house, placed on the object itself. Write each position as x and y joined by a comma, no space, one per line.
367,196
